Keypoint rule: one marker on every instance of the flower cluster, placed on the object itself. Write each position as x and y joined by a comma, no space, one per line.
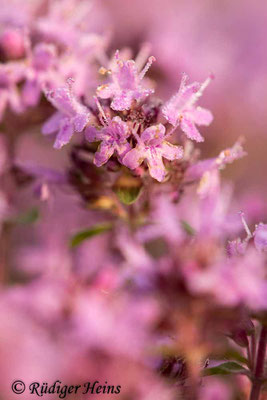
128,125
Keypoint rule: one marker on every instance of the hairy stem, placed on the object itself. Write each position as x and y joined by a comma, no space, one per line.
259,367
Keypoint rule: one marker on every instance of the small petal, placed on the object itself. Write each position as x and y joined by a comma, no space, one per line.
201,116
91,134
156,167
103,154
133,158
80,121
121,102
105,91
189,128
52,124
171,152
123,149
64,135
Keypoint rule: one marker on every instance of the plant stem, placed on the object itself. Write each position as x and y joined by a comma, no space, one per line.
259,367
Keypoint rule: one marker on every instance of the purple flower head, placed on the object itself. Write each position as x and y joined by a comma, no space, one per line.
152,147
41,72
260,237
126,84
181,109
44,178
227,156
113,137
71,117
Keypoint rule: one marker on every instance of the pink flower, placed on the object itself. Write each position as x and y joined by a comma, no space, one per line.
71,117
227,156
238,280
152,147
181,109
41,72
113,138
126,84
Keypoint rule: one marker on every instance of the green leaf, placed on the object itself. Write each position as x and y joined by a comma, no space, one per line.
79,237
128,188
227,368
235,355
128,195
188,228
29,217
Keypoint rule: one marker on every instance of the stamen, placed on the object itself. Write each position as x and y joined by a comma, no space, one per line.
146,67
249,234
182,85
199,93
183,81
104,118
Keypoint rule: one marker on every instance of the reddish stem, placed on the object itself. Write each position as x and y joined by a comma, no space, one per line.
259,368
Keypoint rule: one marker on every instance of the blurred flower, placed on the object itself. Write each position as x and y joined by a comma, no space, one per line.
71,117
181,109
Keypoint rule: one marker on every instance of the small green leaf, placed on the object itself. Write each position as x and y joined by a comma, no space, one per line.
79,237
188,228
226,369
28,217
128,189
235,355
128,195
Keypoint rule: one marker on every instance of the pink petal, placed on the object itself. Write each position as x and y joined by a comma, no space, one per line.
64,135
80,121
201,116
103,154
123,149
91,134
189,128
156,167
122,101
133,158
126,75
105,91
52,124
171,152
